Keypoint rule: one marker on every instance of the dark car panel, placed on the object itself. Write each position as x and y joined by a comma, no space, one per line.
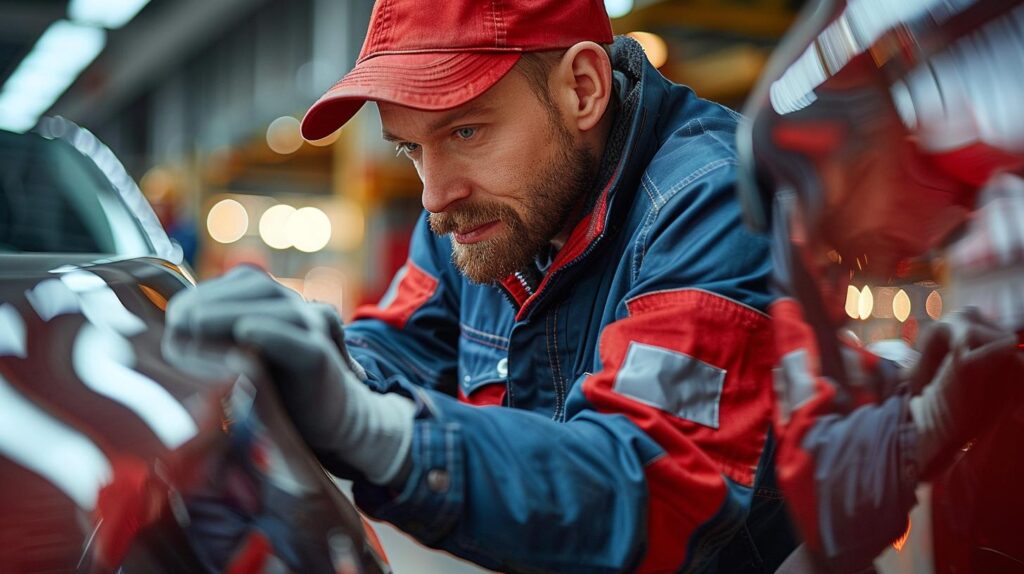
114,457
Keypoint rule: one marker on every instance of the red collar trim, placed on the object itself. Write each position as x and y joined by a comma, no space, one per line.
583,236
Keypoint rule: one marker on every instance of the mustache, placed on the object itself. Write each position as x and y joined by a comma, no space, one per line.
470,216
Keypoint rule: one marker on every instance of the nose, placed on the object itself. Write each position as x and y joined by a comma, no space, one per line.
444,183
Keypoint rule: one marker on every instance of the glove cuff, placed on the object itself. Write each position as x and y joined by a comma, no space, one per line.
378,440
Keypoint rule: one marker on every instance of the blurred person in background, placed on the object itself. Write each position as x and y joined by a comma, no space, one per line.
162,189
882,133
571,373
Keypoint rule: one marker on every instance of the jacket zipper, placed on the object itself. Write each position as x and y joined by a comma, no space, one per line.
524,282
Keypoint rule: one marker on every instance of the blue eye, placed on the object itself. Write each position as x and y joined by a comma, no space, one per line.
465,133
407,147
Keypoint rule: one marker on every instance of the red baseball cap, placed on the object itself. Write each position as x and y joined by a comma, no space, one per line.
437,55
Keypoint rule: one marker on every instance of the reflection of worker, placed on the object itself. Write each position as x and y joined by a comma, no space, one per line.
862,167
582,264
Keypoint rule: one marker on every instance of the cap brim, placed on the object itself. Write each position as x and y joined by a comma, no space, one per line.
425,81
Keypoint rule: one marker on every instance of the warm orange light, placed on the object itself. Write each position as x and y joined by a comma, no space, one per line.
654,46
227,221
852,301
901,306
933,305
865,304
900,542
154,297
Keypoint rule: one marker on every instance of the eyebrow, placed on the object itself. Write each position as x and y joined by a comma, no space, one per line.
445,120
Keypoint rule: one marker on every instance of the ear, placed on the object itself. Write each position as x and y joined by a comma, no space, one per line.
585,78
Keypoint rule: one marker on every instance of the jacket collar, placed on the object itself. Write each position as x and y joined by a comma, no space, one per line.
631,145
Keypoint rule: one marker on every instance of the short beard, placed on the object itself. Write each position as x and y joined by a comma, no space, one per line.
550,203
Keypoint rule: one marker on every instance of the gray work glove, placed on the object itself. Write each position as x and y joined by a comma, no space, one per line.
303,347
973,372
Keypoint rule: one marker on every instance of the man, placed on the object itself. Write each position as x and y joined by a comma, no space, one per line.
871,137
582,264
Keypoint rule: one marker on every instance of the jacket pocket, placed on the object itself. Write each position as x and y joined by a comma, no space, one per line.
483,369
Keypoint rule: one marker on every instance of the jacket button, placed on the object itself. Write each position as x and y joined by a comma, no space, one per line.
438,480
503,367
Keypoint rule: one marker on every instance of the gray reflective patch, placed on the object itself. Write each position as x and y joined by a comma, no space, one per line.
779,386
797,385
671,381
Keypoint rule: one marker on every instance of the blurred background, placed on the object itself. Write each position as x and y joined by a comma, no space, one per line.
201,101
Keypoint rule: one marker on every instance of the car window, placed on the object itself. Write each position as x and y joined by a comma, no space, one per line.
54,200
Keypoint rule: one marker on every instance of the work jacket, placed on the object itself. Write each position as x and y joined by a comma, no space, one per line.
612,412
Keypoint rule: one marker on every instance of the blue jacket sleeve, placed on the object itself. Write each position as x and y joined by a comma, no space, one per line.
412,333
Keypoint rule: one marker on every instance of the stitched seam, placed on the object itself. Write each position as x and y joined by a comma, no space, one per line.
720,296
480,333
551,362
708,168
560,402
372,346
640,246
445,512
662,200
484,342
499,24
718,139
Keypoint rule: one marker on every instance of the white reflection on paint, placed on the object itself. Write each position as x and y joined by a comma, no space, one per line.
12,332
104,360
66,458
51,298
860,25
101,305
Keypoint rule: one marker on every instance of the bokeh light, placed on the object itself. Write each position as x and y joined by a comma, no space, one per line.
283,135
227,221
273,226
865,303
654,46
157,185
901,306
308,229
618,8
933,305
852,302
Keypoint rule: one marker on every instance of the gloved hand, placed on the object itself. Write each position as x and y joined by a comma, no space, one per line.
975,372
303,346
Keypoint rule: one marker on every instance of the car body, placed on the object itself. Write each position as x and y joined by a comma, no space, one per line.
115,455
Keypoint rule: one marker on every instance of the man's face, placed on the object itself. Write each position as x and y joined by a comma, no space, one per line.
501,174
